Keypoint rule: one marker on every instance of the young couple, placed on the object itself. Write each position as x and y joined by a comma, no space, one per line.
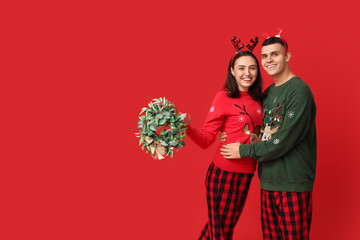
275,129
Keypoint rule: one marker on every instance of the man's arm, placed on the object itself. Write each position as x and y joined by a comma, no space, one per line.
297,120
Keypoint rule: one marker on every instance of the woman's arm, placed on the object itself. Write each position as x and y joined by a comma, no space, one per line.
213,122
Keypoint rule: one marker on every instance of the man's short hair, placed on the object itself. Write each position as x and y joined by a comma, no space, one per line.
273,40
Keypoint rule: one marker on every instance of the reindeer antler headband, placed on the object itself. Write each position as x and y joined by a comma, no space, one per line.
238,47
280,29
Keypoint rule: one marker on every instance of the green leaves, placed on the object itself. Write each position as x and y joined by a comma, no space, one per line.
173,143
162,121
163,124
182,116
140,124
152,127
164,143
159,116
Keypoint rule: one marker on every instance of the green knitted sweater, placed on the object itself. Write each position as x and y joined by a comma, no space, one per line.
287,152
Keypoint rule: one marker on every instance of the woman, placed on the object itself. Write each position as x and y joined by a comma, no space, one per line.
236,110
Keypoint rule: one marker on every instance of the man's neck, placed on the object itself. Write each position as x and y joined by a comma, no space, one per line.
283,77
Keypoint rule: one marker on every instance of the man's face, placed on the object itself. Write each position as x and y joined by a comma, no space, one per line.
273,59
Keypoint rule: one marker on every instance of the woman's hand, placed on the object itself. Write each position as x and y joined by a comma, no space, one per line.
222,137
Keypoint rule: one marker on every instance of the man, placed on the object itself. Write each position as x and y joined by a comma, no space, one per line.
287,152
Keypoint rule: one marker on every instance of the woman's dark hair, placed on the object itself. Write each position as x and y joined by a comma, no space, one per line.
231,86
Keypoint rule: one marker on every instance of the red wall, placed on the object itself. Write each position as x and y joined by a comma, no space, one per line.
78,74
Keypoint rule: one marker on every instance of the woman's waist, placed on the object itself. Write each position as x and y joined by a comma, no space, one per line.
236,138
243,165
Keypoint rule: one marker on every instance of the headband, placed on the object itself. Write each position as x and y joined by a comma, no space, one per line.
266,35
238,47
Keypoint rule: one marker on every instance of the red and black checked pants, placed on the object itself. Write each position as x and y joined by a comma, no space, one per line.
226,194
286,215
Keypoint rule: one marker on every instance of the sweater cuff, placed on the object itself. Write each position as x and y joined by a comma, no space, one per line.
244,150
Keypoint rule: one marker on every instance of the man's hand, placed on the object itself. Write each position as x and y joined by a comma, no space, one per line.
222,137
230,151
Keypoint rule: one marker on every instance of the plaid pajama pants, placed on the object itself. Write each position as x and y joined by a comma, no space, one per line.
226,194
286,215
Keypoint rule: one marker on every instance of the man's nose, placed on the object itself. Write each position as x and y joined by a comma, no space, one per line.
269,59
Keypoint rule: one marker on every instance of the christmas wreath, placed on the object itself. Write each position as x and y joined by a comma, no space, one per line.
162,128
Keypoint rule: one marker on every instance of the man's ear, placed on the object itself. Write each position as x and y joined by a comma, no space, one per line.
288,56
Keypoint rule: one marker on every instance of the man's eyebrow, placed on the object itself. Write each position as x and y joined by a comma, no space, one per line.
264,54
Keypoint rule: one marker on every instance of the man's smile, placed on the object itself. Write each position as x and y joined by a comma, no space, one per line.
271,66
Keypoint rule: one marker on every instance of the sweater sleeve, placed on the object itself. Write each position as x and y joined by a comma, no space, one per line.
212,125
296,122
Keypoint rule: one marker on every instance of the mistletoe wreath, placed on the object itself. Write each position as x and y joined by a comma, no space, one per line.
162,128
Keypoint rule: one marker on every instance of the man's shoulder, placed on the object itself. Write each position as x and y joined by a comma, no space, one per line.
298,91
298,82
297,85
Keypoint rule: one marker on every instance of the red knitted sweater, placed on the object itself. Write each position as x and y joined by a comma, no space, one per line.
229,115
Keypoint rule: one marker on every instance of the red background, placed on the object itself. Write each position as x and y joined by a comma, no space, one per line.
75,76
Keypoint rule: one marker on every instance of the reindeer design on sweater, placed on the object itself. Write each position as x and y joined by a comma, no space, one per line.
267,132
255,135
273,116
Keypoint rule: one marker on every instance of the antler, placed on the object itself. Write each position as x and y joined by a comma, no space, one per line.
236,43
252,44
280,31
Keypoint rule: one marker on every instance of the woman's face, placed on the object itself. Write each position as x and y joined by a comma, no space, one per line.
245,72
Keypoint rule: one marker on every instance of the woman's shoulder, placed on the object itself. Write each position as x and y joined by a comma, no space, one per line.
221,97
221,94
